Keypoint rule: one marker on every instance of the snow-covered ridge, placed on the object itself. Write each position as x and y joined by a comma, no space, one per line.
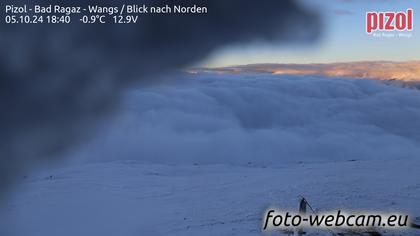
387,70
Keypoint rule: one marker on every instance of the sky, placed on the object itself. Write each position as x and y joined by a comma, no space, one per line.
343,38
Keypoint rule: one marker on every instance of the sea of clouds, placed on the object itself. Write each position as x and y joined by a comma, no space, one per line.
257,119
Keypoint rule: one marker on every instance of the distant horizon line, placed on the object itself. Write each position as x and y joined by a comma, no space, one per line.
399,70
309,63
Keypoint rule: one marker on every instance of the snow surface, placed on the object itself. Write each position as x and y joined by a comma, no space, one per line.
207,154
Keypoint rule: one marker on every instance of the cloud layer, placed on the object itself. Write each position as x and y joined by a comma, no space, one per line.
262,119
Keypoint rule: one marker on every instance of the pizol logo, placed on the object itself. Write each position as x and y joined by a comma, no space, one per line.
389,21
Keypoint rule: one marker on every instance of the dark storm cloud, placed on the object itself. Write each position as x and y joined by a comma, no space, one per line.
57,80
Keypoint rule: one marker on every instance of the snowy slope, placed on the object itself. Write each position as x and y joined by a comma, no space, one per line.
129,198
208,154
